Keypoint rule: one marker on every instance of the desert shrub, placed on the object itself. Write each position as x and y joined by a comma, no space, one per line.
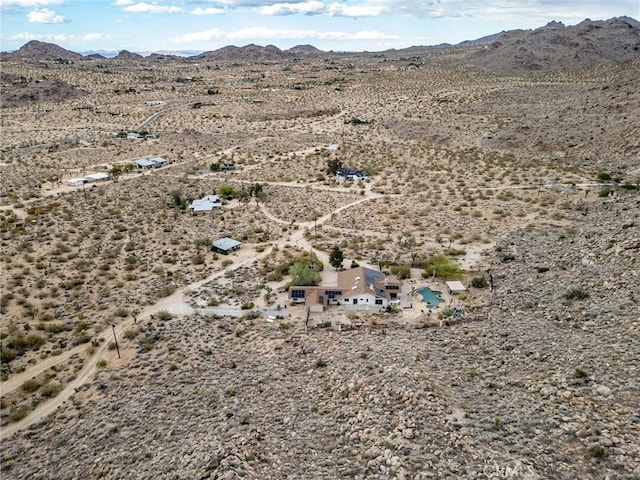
213,302
130,333
247,306
576,294
50,390
31,385
122,312
401,271
164,315
603,177
18,413
197,259
321,363
597,451
479,282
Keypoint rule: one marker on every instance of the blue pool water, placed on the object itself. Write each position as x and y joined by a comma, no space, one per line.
430,296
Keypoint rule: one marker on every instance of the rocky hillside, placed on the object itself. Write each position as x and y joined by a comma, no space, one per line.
39,51
127,55
557,47
545,388
20,90
248,53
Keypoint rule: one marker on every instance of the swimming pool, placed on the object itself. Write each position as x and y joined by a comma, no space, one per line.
430,297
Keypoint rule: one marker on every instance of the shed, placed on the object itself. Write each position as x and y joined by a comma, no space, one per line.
225,245
455,287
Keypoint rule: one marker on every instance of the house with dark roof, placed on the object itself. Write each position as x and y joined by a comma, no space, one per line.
358,288
351,175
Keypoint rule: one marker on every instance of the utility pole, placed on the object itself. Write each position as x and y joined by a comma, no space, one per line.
113,327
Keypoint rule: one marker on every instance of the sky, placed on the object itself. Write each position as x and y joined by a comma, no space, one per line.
339,25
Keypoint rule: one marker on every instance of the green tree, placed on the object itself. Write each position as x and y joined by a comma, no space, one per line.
302,275
336,257
226,191
116,171
333,165
214,167
202,242
128,167
442,267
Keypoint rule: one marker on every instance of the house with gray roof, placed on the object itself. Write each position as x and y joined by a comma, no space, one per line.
225,245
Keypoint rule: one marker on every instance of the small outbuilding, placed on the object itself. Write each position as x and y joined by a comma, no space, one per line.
225,245
455,287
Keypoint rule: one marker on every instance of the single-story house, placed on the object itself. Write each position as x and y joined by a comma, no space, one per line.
455,287
76,182
225,245
99,177
351,175
159,161
206,204
134,136
155,162
154,103
91,178
358,288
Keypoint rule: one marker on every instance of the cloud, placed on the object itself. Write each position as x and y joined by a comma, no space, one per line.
55,37
45,16
143,7
263,33
195,37
333,9
207,11
29,3
304,8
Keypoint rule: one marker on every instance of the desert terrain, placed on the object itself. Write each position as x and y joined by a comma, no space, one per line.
131,350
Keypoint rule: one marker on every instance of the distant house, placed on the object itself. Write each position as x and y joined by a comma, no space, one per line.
69,140
358,288
155,162
91,178
225,245
154,103
332,148
351,175
158,161
228,166
99,177
134,136
206,204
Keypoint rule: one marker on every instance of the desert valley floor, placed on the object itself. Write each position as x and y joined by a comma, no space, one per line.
527,181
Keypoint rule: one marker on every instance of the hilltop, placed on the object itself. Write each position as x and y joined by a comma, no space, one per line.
552,46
